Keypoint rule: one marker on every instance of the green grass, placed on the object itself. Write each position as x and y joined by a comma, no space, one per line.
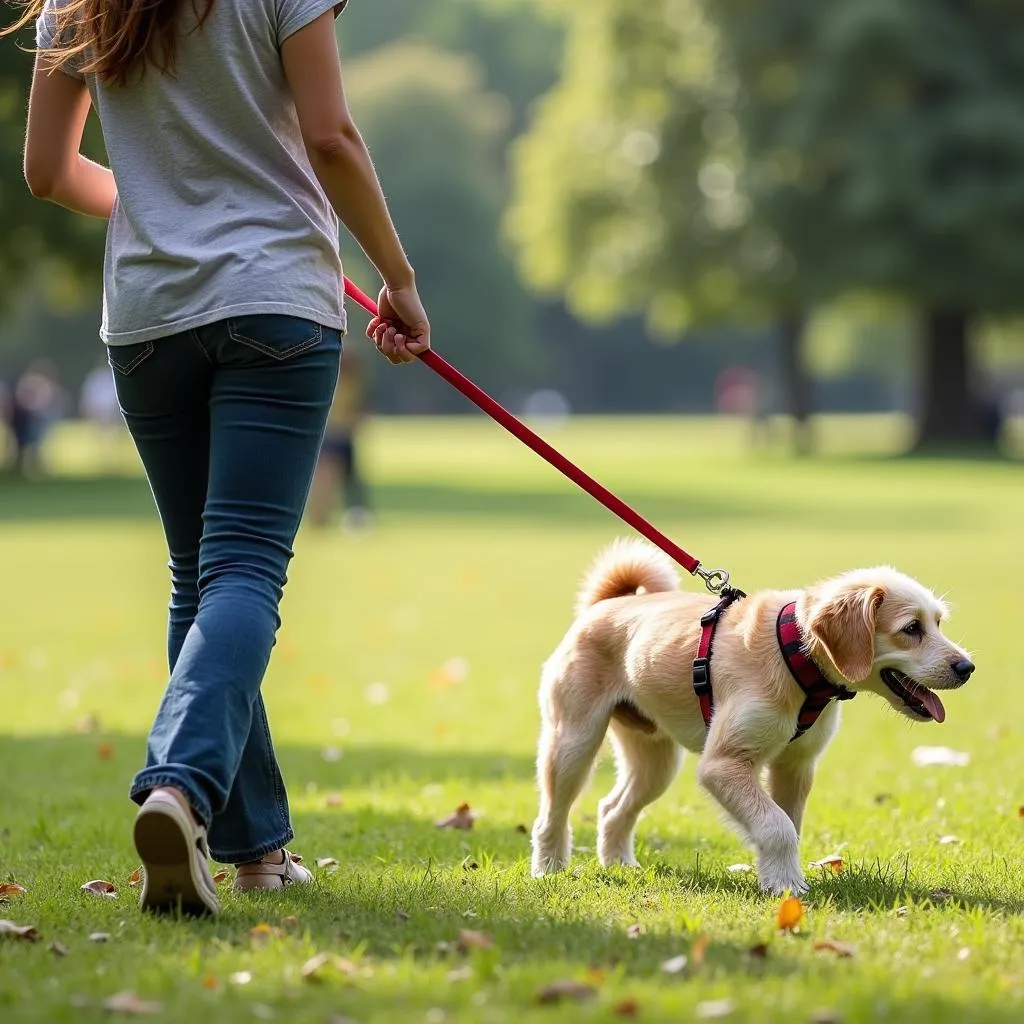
476,556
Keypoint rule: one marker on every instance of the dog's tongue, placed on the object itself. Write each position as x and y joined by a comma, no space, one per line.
931,702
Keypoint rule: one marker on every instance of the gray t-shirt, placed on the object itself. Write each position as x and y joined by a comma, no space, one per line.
218,210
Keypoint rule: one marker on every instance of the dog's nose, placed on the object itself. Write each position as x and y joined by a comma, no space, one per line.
963,669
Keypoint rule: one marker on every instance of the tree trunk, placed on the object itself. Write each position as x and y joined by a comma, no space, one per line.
796,383
950,413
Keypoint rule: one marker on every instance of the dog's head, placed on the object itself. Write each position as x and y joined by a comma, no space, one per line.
882,632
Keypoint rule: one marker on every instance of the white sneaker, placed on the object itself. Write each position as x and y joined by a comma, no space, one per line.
175,857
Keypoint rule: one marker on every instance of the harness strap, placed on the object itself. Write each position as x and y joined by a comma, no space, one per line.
818,690
702,663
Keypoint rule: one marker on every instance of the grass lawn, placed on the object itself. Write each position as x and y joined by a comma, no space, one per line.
404,683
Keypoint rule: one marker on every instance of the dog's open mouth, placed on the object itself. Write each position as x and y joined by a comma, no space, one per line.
916,697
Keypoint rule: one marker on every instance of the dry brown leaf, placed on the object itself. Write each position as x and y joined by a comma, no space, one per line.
98,887
105,751
221,876
326,862
842,949
462,817
566,989
698,950
628,1008
789,914
99,937
759,951
296,858
1020,811
291,921
88,724
9,889
311,969
212,982
129,1002
826,1016
941,894
469,939
834,861
634,931
26,932
675,965
332,800
263,932
522,830
57,948
136,876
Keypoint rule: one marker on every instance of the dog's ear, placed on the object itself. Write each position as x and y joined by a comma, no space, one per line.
844,624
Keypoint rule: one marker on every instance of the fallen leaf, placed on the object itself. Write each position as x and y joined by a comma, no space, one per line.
296,858
88,724
698,949
136,876
97,887
129,1002
10,930
924,756
99,937
1020,811
105,751
826,1016
211,982
469,939
902,911
789,914
462,818
941,894
9,889
463,973
759,951
470,865
332,800
738,869
833,861
634,931
263,932
882,798
524,831
221,876
291,921
948,840
715,1009
240,977
401,916
567,989
628,1008
674,965
57,948
842,949
311,968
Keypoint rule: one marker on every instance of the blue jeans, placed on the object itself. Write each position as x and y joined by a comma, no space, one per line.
228,420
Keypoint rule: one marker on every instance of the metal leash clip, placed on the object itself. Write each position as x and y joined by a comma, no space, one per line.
716,580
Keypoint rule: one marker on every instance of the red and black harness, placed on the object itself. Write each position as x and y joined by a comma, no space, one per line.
818,691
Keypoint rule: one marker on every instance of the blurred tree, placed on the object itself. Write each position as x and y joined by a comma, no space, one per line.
734,158
37,235
435,137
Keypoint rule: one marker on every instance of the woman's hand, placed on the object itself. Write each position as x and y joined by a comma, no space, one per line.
400,330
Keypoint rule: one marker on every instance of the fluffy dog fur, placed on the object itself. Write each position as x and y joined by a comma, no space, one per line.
625,665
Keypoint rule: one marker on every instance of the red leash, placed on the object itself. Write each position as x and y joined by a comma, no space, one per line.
716,579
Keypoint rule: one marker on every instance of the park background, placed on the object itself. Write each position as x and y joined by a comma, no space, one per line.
756,266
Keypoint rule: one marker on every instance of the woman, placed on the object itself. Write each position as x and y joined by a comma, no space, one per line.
232,154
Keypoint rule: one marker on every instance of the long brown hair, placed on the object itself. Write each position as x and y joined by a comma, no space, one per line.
116,39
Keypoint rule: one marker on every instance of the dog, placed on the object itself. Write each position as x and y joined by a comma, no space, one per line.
626,666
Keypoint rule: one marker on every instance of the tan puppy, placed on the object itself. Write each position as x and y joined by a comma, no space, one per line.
626,662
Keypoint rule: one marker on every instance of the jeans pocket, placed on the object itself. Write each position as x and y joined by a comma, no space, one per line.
125,359
274,335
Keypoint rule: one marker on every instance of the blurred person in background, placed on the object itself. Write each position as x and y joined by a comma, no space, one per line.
339,479
233,155
36,405
98,405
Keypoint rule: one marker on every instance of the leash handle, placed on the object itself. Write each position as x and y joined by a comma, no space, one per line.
715,579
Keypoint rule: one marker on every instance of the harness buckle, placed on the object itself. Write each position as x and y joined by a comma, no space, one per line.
711,616
701,675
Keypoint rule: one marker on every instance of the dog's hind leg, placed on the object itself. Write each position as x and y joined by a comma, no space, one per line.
569,741
646,765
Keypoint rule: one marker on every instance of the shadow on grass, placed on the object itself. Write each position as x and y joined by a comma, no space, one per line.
126,497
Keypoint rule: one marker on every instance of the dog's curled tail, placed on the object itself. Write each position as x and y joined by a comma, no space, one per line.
625,567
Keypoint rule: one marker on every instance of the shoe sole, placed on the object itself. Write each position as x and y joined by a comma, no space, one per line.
164,845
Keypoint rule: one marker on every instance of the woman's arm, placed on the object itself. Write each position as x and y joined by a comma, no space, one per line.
336,149
54,168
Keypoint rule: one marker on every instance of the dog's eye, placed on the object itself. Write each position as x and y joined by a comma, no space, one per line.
914,628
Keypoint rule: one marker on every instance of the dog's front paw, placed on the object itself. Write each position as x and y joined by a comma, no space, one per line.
779,875
547,865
